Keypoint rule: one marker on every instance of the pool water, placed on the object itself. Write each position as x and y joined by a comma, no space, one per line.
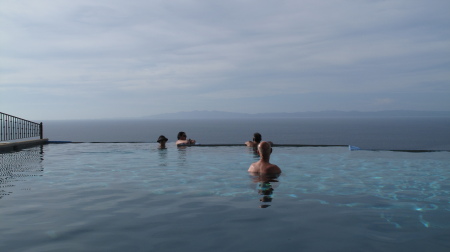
135,197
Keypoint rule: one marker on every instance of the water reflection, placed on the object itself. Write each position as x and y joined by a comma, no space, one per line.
162,157
265,185
181,155
16,166
254,151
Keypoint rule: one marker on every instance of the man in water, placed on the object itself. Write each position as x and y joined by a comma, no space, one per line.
182,139
256,140
263,165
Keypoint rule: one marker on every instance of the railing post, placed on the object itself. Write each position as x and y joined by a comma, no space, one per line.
41,130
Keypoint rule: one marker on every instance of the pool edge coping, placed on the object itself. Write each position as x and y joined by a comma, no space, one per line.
15,146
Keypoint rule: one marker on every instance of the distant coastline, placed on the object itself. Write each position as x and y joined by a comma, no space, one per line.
205,114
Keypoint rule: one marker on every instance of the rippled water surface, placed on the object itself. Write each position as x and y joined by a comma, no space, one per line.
135,197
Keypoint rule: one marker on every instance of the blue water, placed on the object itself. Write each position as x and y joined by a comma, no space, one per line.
134,197
385,133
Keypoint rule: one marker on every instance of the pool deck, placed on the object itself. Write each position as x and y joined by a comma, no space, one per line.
15,146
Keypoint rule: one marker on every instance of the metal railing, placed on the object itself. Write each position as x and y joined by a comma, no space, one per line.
13,128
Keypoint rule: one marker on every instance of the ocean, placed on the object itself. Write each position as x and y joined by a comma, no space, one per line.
373,133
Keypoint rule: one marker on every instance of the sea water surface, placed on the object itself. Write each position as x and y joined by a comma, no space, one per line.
384,133
135,197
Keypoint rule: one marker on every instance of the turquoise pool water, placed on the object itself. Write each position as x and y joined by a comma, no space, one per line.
135,197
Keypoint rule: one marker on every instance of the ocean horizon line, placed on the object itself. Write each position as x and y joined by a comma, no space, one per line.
214,114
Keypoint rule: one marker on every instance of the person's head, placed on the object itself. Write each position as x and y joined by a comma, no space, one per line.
264,149
181,135
257,137
162,139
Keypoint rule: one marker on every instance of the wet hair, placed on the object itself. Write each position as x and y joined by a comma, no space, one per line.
257,137
181,133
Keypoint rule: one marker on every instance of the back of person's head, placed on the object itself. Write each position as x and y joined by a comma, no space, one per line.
264,149
257,137
180,134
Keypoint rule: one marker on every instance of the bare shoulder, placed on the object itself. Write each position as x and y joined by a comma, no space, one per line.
181,142
272,169
253,167
250,144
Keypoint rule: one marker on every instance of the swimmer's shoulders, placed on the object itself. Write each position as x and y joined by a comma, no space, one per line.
254,167
273,169
250,144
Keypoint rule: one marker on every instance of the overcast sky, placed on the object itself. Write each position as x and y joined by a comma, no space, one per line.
83,59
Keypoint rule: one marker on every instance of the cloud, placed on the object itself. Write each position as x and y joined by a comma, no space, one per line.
223,50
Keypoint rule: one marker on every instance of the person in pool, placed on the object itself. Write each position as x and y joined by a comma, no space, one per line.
263,165
182,139
162,140
256,140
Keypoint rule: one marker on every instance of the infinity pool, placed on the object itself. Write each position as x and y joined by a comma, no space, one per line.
135,197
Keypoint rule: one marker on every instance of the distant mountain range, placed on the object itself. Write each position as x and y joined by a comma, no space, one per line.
204,114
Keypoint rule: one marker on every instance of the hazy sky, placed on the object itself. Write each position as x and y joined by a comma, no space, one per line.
66,59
